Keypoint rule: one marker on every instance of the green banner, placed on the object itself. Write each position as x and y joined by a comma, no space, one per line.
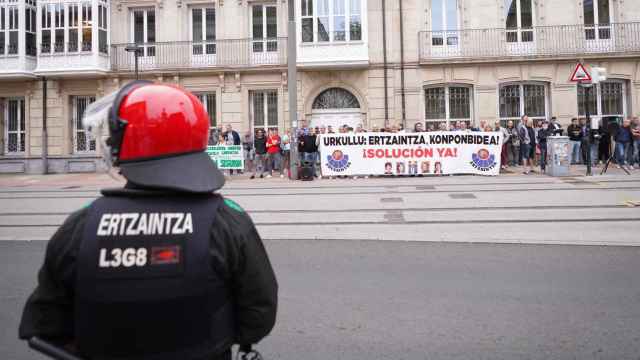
227,156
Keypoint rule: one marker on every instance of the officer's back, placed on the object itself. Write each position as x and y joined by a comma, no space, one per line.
163,268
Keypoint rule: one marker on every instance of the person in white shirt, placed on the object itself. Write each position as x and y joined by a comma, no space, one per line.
504,158
285,145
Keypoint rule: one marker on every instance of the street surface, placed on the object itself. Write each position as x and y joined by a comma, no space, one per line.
456,267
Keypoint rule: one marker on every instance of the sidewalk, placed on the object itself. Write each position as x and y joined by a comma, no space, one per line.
102,180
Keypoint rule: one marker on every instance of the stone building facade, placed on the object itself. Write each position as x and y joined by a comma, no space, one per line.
444,60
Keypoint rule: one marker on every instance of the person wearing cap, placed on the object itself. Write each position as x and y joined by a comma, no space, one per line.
163,268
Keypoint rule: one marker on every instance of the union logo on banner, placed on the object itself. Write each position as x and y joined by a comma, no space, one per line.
483,160
338,161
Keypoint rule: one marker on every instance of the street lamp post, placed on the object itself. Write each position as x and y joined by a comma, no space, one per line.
136,50
292,88
45,136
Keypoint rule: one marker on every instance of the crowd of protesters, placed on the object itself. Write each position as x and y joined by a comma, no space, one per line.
524,144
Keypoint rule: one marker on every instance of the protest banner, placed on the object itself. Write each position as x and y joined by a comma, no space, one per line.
431,153
227,156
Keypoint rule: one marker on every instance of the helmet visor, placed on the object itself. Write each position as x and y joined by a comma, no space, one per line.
95,121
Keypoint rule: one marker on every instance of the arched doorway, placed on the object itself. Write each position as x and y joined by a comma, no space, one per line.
336,107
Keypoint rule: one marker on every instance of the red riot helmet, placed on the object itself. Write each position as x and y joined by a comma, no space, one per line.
158,134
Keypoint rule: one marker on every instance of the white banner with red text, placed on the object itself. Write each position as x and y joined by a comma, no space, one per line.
429,153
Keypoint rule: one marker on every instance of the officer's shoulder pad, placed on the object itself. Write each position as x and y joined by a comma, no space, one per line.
233,205
87,205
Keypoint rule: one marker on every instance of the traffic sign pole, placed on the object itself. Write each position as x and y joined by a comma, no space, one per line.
584,80
587,101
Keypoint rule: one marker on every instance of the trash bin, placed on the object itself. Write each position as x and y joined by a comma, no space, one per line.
306,171
558,155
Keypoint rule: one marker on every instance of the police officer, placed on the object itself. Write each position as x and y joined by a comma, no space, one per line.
163,268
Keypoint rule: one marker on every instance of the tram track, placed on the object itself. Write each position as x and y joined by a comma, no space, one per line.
386,209
393,216
406,222
340,184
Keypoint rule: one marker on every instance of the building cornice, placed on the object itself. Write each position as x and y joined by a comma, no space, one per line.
139,3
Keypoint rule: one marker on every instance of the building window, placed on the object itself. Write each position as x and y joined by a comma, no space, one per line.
306,10
52,28
81,141
517,100
263,109
607,98
45,29
355,21
30,29
203,30
103,29
208,100
334,20
58,27
264,28
2,29
444,22
75,33
15,127
449,103
519,20
9,30
143,29
335,98
322,21
597,19
87,24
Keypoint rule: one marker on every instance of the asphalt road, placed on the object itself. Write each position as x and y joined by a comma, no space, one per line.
404,300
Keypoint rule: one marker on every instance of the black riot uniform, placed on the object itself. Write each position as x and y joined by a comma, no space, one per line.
164,268
163,304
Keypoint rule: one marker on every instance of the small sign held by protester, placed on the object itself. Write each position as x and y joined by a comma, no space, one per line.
227,157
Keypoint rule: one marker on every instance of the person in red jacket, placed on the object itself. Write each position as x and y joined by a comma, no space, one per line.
273,152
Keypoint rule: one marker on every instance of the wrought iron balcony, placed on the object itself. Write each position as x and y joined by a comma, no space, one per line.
538,42
184,55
